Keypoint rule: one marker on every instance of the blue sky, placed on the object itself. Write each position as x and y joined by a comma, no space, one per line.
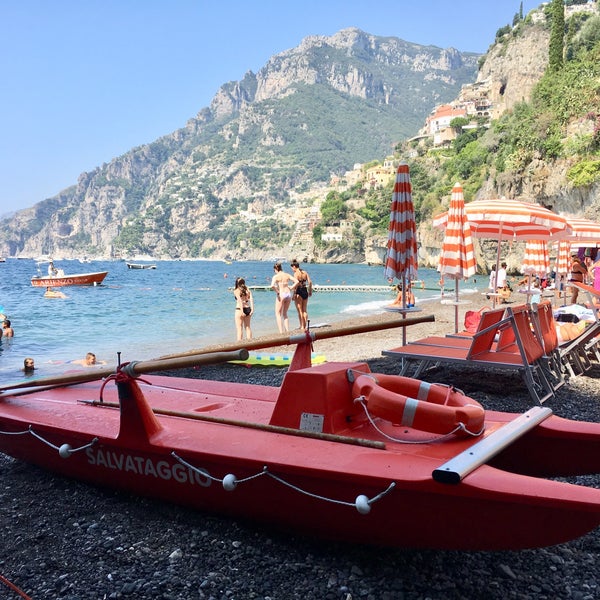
84,81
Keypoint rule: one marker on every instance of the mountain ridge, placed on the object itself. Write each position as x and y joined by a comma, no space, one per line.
309,112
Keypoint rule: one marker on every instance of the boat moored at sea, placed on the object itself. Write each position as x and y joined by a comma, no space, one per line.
336,451
140,266
58,278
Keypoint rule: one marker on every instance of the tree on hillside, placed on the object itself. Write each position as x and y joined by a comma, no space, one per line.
557,35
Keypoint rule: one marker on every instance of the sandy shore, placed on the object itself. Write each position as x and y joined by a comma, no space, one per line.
357,343
370,345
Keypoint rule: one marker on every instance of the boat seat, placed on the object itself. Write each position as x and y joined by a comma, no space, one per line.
319,399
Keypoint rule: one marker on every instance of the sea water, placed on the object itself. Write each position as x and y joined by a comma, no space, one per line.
177,307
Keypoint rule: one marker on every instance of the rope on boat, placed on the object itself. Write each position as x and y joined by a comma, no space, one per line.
65,450
230,482
460,427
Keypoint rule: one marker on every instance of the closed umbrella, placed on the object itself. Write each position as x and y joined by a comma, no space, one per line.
401,257
562,267
535,261
457,259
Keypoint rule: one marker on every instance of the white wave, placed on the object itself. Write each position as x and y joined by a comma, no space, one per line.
365,307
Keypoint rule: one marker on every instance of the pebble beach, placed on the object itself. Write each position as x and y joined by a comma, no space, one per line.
63,539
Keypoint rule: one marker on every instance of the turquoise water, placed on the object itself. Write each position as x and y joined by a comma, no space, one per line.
179,306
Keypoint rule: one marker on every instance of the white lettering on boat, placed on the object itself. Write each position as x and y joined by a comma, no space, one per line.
140,465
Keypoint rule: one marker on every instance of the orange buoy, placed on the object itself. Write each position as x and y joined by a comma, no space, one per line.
425,406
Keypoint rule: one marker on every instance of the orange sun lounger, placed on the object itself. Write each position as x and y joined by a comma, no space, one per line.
480,353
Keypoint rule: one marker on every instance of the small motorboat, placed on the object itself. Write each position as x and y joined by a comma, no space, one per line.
336,451
57,277
140,266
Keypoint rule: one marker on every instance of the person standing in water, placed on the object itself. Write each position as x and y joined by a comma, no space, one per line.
303,291
244,307
281,284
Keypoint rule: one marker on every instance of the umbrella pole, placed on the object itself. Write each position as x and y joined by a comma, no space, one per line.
404,307
456,305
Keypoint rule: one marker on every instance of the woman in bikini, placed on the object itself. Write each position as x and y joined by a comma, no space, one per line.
244,307
579,274
303,291
281,284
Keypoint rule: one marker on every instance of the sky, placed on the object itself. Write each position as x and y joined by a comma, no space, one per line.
84,81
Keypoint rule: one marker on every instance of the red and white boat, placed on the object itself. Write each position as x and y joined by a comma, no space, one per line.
58,278
323,454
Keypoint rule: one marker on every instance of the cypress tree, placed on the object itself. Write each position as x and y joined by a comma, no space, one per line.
557,35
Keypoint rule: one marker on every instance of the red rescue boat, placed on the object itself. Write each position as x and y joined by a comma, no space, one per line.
312,456
58,278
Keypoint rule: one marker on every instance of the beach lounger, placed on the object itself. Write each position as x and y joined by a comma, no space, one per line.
554,362
480,354
502,335
486,332
577,353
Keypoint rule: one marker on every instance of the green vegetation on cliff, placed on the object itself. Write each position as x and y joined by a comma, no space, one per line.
561,121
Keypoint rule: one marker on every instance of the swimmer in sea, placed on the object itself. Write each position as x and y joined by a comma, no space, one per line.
90,360
281,284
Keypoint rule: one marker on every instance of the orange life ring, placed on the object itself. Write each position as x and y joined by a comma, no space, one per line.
418,404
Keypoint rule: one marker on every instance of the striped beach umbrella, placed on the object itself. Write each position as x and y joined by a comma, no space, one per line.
536,260
505,219
401,258
583,231
457,258
562,267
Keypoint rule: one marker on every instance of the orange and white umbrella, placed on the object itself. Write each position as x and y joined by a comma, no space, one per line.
535,262
457,259
401,259
583,231
505,219
562,267
535,259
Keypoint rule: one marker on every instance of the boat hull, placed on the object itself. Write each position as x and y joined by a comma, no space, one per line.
66,280
227,448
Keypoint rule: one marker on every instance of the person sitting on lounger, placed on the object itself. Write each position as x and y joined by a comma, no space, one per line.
569,331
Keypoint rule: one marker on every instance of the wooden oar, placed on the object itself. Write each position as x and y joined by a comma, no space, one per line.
330,437
299,338
135,368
